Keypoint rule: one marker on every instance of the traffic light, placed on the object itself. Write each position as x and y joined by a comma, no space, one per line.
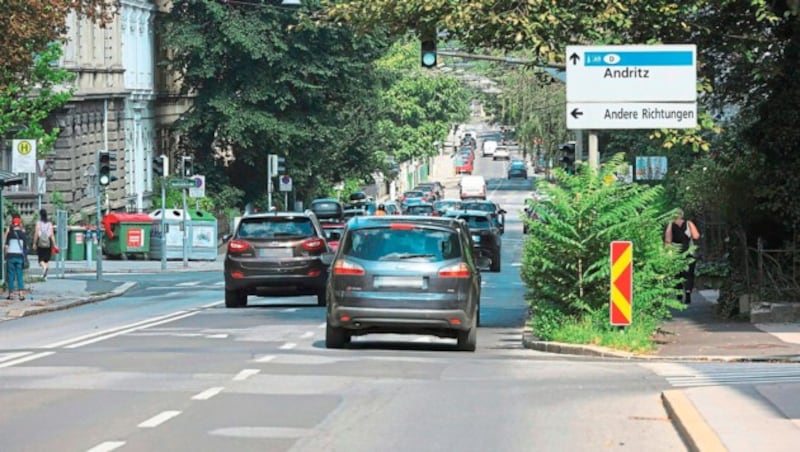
428,51
105,168
187,164
161,166
281,168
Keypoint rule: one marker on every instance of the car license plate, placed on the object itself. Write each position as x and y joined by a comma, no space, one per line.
275,252
405,282
476,238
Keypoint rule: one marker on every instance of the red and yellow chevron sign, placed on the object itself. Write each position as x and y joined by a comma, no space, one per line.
621,283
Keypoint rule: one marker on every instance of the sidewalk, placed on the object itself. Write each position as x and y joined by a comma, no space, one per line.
63,292
749,400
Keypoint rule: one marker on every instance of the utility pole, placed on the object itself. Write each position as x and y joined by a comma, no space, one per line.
186,167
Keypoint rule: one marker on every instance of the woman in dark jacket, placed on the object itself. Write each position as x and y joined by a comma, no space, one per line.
15,240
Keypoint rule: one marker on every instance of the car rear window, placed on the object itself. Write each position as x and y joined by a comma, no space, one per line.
413,194
479,206
416,244
416,210
275,227
476,221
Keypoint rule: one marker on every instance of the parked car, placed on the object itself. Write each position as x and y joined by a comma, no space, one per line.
427,260
276,251
518,169
486,237
498,214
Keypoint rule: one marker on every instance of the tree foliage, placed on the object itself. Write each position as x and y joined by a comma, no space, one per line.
565,256
30,26
262,85
419,106
25,104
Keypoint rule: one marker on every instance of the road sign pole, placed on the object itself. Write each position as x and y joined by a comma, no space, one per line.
594,151
269,184
163,219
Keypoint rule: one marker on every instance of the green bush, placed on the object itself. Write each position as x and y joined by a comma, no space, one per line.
566,264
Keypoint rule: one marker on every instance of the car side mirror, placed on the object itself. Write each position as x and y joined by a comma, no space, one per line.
503,212
226,238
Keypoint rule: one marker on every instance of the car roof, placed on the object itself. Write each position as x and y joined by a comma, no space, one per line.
373,221
461,213
307,214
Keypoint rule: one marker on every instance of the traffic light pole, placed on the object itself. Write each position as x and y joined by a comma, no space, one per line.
185,226
164,214
269,184
99,235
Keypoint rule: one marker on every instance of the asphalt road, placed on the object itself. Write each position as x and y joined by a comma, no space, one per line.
167,367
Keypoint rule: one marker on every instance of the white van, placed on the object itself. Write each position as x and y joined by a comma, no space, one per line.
472,187
489,147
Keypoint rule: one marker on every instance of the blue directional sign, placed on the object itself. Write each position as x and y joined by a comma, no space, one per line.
631,87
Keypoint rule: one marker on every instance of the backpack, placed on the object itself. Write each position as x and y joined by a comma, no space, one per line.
44,235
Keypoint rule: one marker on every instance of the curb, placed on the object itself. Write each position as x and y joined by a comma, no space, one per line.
27,312
691,426
530,342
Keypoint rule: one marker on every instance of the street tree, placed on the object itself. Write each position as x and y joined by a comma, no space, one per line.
262,85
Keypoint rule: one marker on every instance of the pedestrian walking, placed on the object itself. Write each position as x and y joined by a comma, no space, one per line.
44,239
16,252
683,232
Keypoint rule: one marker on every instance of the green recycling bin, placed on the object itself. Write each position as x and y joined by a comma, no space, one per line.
76,245
126,234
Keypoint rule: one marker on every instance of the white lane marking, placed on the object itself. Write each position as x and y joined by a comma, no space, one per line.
110,330
322,325
290,310
244,374
307,335
217,336
107,446
288,346
208,393
211,305
264,359
159,419
130,330
188,284
15,355
221,283
25,359
516,264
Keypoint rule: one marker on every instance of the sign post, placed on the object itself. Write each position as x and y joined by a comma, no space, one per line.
630,87
621,306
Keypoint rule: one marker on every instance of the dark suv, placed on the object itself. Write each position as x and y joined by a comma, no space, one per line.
485,235
282,252
498,214
404,275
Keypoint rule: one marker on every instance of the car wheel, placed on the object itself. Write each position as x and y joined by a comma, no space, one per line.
235,299
322,298
478,316
467,340
336,337
495,264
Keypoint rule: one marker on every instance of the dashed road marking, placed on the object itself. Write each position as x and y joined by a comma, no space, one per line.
307,334
14,355
322,325
516,264
289,310
159,419
264,359
288,346
245,374
130,330
145,323
188,284
208,393
107,446
217,336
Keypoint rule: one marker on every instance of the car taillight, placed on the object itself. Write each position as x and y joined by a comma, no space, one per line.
455,271
343,267
313,244
238,246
